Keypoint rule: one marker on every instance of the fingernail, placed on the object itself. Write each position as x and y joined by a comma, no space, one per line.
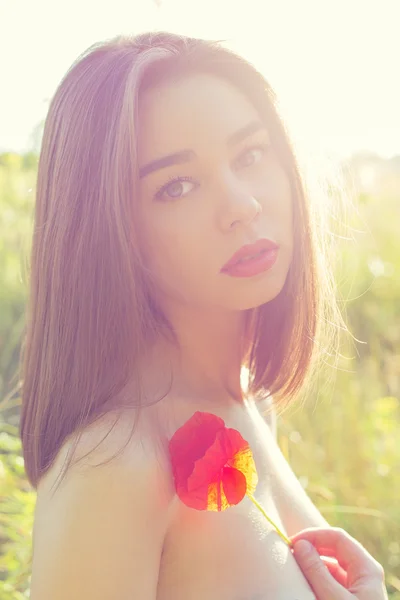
303,548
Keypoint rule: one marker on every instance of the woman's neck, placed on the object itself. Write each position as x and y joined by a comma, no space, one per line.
206,363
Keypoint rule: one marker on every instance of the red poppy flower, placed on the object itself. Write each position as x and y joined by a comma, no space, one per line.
213,466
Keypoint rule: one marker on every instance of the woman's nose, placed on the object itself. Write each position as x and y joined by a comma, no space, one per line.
238,205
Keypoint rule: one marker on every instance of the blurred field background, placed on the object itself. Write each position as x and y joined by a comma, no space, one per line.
343,443
333,65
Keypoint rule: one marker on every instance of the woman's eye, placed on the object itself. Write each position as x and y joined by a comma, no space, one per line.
251,156
175,189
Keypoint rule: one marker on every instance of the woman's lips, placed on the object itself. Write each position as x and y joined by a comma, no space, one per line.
253,266
250,252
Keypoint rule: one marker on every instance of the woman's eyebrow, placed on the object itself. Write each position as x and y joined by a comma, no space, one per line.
245,131
166,161
183,156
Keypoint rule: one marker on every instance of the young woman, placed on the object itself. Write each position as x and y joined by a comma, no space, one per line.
174,252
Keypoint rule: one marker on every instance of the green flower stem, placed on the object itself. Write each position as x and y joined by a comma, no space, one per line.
260,508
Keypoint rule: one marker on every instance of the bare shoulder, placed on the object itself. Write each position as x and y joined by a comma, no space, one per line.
112,505
115,435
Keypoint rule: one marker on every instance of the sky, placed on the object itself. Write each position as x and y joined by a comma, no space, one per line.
334,64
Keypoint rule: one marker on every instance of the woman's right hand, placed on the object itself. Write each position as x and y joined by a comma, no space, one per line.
356,574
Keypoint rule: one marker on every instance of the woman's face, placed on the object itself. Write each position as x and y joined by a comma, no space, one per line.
222,193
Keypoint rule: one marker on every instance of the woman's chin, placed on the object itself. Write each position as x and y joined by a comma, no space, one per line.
251,294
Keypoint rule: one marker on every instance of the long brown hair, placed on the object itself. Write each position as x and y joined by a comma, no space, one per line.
89,314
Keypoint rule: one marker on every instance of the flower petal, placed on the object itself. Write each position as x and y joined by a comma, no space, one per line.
190,442
244,462
213,466
240,456
230,450
195,436
234,484
216,499
229,490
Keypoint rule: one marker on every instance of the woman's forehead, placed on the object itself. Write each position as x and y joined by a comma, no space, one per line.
200,109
